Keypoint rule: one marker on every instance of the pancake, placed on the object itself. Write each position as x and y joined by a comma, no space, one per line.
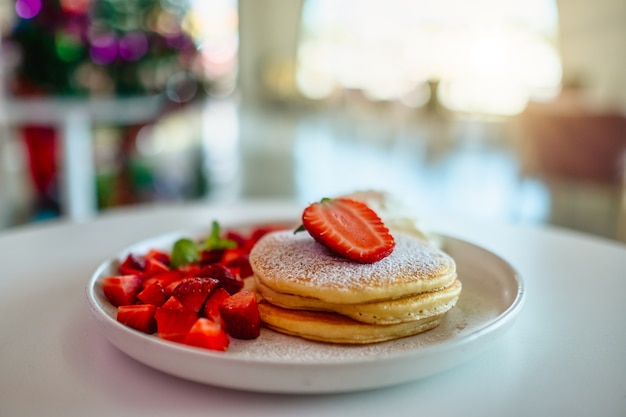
410,308
335,328
295,264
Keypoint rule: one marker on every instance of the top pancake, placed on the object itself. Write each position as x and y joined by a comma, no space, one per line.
296,264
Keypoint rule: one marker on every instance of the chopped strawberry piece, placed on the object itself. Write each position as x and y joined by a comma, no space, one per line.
154,266
231,283
164,278
211,256
238,262
121,289
173,320
240,313
237,237
158,255
193,292
153,294
139,317
349,228
211,308
132,265
207,334
260,231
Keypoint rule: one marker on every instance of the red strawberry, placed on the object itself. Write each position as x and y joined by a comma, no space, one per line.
139,317
158,255
164,278
121,289
193,292
231,283
207,334
237,261
155,266
174,320
153,294
132,265
348,228
212,306
240,313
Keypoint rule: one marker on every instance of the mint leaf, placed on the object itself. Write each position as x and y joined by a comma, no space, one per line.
185,251
216,241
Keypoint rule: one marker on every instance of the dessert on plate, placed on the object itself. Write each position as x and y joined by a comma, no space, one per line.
345,278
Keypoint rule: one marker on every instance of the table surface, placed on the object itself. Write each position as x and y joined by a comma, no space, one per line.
563,356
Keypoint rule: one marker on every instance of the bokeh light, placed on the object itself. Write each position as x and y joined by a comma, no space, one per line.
27,9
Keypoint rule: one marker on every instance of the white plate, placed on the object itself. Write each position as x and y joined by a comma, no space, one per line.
492,296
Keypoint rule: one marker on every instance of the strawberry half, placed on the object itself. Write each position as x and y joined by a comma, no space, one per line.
348,228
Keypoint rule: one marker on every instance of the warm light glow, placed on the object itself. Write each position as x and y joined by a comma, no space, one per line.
490,56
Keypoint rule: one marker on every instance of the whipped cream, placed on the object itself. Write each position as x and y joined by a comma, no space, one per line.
396,214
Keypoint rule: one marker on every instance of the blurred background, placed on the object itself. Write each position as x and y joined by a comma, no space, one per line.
508,110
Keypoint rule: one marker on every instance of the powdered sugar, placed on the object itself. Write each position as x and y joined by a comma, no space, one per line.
297,261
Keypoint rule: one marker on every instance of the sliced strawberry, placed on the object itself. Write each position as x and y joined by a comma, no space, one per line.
237,261
211,308
121,289
153,294
240,313
207,334
139,317
349,228
173,320
132,265
231,283
193,292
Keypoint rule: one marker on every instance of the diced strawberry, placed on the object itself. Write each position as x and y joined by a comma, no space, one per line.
138,316
207,334
231,283
153,294
211,256
158,255
349,228
121,289
193,292
260,231
173,320
132,265
240,313
154,266
237,260
164,278
211,308
236,237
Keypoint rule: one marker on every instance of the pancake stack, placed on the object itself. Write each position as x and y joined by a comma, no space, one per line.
307,291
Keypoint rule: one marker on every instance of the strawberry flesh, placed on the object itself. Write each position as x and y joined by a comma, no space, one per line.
173,320
153,294
211,308
240,313
121,289
207,334
139,317
349,228
193,292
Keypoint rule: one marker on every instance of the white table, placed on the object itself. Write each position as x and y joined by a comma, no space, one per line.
564,356
75,118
